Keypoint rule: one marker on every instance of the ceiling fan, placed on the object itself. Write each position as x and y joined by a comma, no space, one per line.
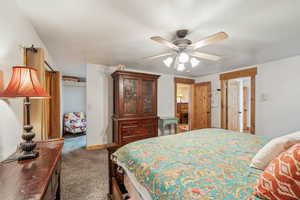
184,50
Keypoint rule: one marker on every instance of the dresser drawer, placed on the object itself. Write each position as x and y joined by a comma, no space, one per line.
32,179
49,194
56,176
53,185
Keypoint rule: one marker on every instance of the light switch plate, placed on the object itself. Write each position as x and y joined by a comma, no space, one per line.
264,97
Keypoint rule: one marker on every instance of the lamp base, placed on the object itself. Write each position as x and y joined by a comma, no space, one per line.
27,147
25,155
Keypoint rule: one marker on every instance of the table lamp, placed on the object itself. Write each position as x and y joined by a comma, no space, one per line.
25,83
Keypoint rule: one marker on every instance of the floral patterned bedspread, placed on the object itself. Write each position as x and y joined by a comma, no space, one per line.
200,164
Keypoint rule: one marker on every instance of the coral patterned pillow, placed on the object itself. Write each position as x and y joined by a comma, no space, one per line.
281,179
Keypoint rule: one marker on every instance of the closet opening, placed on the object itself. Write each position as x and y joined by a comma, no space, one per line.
74,112
238,100
239,104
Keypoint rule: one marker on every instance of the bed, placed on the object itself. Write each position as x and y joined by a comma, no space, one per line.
200,164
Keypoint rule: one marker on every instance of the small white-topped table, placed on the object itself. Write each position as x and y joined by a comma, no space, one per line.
165,122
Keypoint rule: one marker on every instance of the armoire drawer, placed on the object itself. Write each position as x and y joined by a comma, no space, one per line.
129,124
127,140
130,132
134,128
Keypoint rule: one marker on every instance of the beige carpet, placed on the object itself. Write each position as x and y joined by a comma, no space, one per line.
84,173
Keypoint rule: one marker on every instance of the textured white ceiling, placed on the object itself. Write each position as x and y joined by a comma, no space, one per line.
111,32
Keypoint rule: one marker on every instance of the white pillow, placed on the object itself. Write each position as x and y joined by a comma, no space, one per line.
273,148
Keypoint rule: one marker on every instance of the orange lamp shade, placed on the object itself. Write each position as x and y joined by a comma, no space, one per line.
24,83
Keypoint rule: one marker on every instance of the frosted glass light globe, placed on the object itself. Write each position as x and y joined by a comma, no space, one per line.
183,57
180,67
194,62
168,61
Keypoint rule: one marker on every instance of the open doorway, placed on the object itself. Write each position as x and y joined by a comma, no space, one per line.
238,100
183,103
74,112
239,104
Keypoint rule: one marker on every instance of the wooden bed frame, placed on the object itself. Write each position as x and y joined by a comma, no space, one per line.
116,179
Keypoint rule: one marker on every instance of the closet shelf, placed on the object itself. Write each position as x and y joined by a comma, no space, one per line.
74,84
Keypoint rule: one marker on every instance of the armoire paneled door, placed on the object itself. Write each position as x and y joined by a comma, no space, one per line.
135,106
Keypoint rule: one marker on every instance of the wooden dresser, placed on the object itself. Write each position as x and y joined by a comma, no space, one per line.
182,112
33,179
135,106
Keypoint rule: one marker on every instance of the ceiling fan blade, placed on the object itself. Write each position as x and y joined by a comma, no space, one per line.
205,56
165,42
158,56
209,40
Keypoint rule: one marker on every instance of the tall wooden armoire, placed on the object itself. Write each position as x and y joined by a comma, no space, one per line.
135,106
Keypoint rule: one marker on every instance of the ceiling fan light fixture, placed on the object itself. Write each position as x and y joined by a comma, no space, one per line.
183,57
180,67
168,61
194,62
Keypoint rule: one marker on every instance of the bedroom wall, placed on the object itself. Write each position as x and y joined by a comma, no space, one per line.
277,97
166,96
16,30
100,101
99,94
73,98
